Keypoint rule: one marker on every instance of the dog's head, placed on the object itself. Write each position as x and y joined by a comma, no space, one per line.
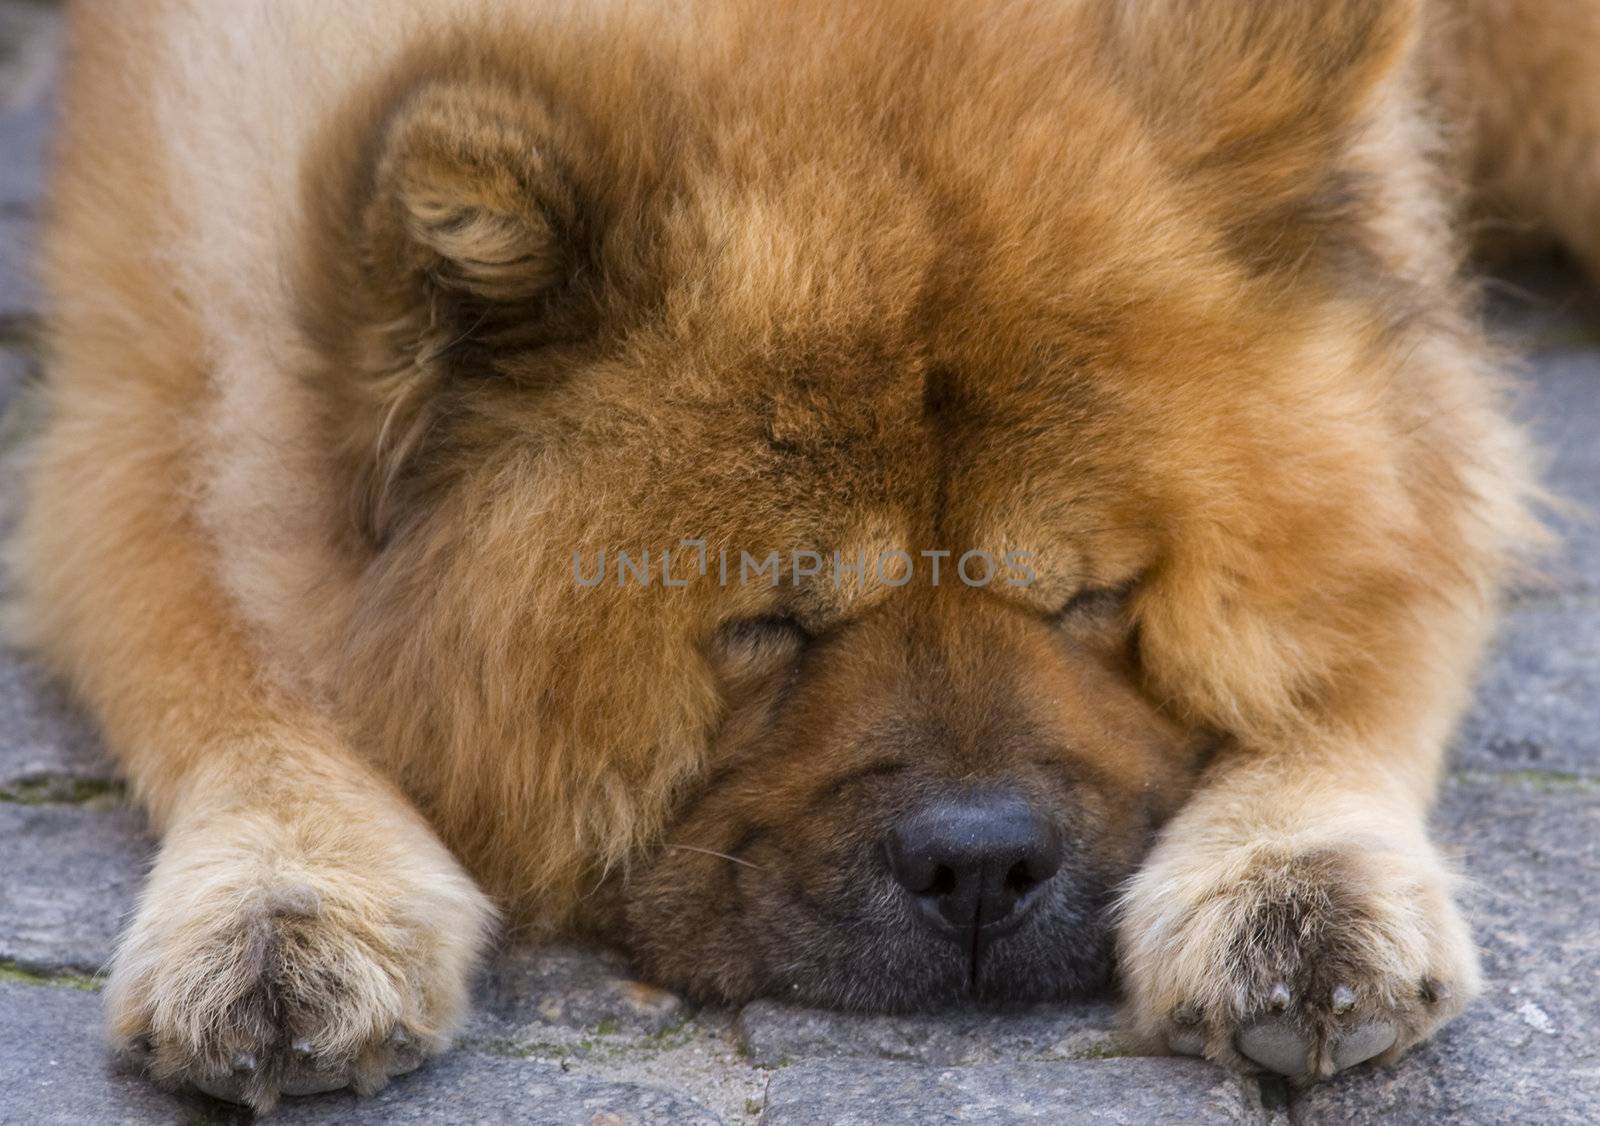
829,476
928,799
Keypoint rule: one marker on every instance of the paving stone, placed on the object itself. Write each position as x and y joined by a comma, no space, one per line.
1529,1049
57,1071
774,1035
14,369
26,110
469,1088
1137,1092
1535,702
1563,405
532,994
1550,313
49,750
29,46
19,296
70,877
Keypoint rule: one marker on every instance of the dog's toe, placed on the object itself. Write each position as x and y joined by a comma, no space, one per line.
1273,1043
1362,1043
1186,1035
1187,1041
253,1078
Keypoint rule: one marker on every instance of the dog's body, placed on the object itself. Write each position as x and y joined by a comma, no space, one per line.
364,326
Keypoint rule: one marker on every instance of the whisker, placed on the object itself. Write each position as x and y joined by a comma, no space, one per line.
714,852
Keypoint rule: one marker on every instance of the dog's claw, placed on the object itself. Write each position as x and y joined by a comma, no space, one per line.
1344,999
1186,1016
301,1047
1278,999
244,1063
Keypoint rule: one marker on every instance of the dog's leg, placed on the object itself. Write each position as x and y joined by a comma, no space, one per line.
1295,916
302,927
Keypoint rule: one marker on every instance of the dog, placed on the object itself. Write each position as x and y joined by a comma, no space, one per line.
876,505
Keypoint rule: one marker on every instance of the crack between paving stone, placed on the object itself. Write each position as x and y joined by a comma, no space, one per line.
22,974
1275,1097
1555,779
1555,599
64,789
47,789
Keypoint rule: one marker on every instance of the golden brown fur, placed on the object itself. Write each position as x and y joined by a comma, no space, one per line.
362,325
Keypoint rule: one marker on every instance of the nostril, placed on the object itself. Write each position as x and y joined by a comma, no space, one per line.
944,882
1040,861
975,863
1020,879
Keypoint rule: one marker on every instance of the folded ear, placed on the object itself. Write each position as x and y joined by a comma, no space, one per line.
472,197
457,242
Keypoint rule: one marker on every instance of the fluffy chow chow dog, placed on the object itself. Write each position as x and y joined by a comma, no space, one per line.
874,504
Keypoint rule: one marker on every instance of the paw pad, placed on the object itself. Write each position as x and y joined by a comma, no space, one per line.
1281,1043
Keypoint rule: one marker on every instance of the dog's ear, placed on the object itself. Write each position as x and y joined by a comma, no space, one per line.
472,200
1257,100
1229,76
456,242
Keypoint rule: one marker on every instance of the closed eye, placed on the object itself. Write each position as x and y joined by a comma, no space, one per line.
765,629
751,643
1094,603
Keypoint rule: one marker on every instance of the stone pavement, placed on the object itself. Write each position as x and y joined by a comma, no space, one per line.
565,1036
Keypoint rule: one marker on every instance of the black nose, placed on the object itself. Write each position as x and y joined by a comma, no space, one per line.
974,864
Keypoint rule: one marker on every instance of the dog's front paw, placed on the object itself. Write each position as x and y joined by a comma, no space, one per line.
1301,958
256,967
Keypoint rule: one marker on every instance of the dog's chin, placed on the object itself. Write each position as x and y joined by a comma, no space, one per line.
936,975
893,963
999,984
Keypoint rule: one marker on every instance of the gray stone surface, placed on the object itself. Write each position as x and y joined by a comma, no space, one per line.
15,366
1551,314
1539,691
27,62
1529,1049
50,751
468,1088
529,994
68,876
1563,406
1129,1092
28,49
19,296
56,1073
28,33
774,1034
